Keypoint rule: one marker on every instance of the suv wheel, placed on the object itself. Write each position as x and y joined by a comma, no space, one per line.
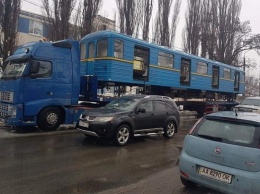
169,129
122,135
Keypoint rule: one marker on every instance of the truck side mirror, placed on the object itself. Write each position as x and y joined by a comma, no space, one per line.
35,68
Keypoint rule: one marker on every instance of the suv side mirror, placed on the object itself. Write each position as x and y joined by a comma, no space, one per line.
141,110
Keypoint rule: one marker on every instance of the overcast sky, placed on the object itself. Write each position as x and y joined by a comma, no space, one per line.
250,11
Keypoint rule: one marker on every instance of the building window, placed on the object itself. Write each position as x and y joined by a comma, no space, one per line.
102,27
35,27
165,59
202,68
227,74
118,48
102,48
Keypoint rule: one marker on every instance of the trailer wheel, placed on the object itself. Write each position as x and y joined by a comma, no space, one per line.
49,119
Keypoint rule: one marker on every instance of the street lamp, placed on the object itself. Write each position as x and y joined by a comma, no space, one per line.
244,64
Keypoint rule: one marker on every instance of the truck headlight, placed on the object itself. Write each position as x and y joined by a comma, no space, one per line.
103,119
12,111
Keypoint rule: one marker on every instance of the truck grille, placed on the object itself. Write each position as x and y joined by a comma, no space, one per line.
4,108
6,96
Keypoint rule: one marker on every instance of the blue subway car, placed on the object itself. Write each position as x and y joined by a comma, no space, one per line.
117,60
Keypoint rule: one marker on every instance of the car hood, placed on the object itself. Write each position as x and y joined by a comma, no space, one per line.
104,112
241,106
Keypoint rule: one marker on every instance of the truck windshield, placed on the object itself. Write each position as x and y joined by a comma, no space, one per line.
14,70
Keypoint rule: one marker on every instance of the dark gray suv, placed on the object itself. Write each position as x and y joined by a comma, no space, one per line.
128,116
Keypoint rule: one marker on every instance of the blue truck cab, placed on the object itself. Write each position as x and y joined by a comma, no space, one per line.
40,85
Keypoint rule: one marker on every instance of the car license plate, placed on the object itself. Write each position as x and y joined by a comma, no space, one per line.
83,124
214,174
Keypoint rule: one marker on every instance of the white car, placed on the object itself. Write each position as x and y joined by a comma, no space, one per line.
249,104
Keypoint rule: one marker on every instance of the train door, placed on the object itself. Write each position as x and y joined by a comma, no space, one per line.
141,63
236,81
90,58
185,72
215,77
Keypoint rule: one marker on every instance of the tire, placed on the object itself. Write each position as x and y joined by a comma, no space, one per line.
49,119
169,129
122,135
188,184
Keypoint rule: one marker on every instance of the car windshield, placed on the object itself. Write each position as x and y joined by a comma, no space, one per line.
255,102
228,132
14,69
123,103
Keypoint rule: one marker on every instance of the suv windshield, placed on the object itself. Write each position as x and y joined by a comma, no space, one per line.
255,102
14,69
123,103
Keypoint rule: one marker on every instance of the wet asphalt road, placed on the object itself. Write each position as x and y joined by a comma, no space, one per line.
65,161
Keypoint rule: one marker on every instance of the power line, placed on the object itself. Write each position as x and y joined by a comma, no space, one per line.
33,3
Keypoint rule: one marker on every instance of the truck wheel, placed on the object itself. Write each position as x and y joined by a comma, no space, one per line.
122,135
49,119
169,130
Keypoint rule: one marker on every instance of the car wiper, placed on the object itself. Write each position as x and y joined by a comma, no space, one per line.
211,137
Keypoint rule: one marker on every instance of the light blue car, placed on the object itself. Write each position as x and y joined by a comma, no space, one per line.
222,152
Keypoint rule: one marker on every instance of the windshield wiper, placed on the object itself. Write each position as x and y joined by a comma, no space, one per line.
211,137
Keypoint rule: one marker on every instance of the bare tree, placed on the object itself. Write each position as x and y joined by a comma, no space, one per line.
221,35
148,7
174,22
164,33
10,10
59,14
120,7
208,31
192,33
90,9
130,16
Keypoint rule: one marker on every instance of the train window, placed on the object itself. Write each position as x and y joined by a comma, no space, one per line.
215,77
118,48
185,71
91,50
202,68
102,48
165,59
83,51
227,73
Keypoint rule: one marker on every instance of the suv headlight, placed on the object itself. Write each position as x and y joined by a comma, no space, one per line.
103,119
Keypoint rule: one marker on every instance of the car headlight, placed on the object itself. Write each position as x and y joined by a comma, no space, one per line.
103,119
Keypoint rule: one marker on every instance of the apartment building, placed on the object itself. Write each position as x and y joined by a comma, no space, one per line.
31,26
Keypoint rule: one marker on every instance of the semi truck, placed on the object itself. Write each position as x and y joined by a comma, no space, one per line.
43,82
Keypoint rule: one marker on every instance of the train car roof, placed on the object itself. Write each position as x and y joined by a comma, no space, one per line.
112,34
